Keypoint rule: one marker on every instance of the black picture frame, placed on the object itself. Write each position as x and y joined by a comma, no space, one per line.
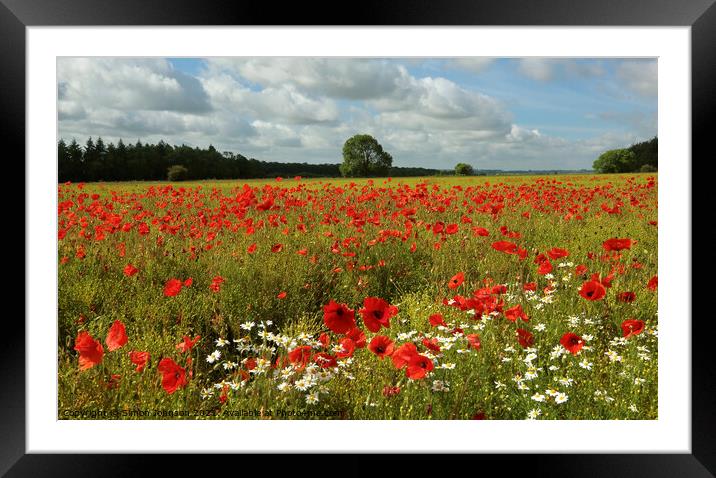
700,15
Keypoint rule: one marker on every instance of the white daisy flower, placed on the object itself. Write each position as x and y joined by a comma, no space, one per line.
534,413
213,357
312,398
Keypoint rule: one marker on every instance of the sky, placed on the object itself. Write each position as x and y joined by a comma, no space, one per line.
492,113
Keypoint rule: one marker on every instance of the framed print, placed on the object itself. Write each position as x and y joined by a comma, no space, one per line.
264,236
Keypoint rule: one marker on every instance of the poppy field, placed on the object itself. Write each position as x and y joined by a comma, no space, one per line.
499,298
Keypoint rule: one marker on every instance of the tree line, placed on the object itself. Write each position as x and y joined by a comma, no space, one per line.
100,161
640,157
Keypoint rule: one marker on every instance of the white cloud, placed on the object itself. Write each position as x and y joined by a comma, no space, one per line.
129,85
334,78
518,134
473,64
440,104
642,122
639,77
284,102
583,69
303,109
549,69
540,69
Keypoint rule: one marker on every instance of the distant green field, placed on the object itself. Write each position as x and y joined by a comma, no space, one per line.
575,179
481,280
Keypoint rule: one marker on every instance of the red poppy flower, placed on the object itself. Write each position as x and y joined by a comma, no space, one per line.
216,283
188,282
187,344
615,244
173,376
499,289
277,248
505,246
116,337
265,205
172,287
456,280
545,267
525,338
432,344
300,356
437,319
530,286
572,342
473,341
556,253
347,348
653,283
250,363
224,394
592,290
632,327
325,339
381,345
627,297
281,295
130,270
451,228
325,360
390,391
357,336
581,269
540,258
251,249
418,367
338,317
606,281
91,350
516,312
402,355
376,313
140,359
113,381
480,231
506,232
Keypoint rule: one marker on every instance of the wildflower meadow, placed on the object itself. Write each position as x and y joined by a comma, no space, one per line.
498,298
